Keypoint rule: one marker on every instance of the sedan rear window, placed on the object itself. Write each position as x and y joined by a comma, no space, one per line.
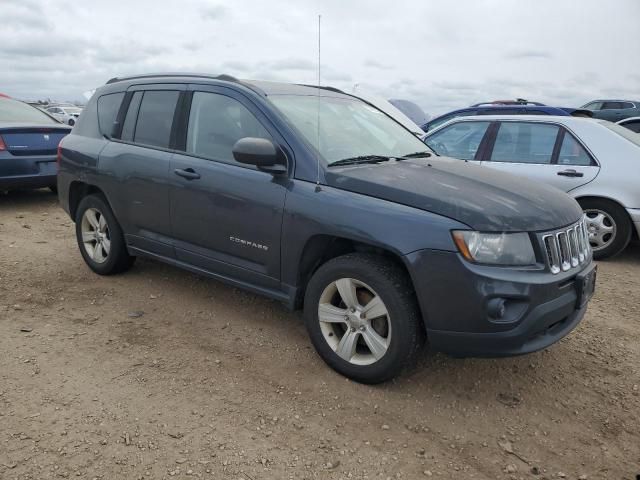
623,132
13,111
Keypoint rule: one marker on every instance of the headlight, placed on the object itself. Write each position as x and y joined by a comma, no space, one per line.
495,248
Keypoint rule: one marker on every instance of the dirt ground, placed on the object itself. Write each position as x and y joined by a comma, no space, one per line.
159,373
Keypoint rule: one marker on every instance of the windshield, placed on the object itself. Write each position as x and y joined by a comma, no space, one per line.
13,111
623,132
72,110
349,128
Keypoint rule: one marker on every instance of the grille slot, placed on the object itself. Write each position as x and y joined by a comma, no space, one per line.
567,248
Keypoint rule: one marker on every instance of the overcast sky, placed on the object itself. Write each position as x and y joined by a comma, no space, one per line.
441,54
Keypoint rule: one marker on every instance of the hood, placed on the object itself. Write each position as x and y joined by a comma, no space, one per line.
482,198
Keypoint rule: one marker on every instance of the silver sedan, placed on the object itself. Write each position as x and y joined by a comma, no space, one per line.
595,161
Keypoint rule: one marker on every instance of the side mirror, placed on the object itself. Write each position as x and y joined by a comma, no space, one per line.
255,151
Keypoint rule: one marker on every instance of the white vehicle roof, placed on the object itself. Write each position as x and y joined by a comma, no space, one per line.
386,106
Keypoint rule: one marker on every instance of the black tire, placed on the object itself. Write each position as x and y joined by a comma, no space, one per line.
54,188
118,259
394,288
71,122
622,222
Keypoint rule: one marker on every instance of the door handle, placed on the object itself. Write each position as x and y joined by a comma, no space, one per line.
570,173
188,173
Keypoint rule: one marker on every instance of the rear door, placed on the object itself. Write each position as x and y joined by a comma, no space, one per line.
226,217
136,165
543,152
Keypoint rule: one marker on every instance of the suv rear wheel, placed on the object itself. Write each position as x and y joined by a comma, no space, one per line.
608,226
100,237
362,317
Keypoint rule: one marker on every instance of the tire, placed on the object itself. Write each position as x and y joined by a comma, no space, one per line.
71,122
400,331
53,188
93,211
606,216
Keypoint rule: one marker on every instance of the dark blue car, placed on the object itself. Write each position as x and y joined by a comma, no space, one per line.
29,140
497,109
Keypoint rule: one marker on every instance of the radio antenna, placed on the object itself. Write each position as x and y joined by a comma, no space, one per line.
318,110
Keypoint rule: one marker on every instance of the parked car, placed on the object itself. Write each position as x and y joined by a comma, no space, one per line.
65,114
613,110
411,110
594,161
311,196
632,123
28,142
517,101
500,109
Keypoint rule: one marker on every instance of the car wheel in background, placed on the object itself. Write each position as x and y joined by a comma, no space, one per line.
71,122
100,237
608,226
362,316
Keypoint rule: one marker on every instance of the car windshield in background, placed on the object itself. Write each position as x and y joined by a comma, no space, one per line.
623,132
349,128
12,111
72,110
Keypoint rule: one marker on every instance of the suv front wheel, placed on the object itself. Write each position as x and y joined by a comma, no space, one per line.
362,316
100,237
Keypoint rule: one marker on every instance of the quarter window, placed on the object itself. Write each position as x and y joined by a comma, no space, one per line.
520,142
216,123
460,140
156,117
627,105
572,153
108,106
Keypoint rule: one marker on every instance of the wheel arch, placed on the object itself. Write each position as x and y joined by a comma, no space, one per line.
321,248
77,191
634,232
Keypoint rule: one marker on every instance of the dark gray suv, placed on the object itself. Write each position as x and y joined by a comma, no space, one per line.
318,199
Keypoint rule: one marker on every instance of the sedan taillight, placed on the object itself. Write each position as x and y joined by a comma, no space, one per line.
2,144
59,154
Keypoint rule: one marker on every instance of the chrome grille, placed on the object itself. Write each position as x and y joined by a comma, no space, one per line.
567,248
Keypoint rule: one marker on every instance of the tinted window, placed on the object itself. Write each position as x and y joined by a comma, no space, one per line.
572,153
216,123
521,142
460,140
633,126
627,105
108,106
611,105
129,126
156,117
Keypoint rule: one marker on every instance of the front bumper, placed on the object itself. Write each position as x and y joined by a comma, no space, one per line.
455,298
634,213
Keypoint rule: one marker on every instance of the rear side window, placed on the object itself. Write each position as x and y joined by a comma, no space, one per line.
627,105
572,153
520,142
216,123
155,118
129,126
612,105
460,140
108,106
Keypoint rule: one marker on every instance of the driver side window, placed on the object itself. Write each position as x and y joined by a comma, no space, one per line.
216,123
460,140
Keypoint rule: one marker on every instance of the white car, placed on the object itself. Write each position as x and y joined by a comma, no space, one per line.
595,161
65,114
632,123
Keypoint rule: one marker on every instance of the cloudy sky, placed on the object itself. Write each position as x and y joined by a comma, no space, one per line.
441,54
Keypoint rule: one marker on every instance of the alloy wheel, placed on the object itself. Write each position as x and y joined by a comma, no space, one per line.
96,238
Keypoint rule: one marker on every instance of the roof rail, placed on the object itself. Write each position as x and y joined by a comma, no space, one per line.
224,77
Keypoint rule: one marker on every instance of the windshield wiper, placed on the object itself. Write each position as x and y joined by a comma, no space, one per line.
423,154
360,159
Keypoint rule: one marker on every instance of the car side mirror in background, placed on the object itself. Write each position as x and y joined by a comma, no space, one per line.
260,152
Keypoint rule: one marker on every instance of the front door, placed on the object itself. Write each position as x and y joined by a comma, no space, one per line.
543,152
226,217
